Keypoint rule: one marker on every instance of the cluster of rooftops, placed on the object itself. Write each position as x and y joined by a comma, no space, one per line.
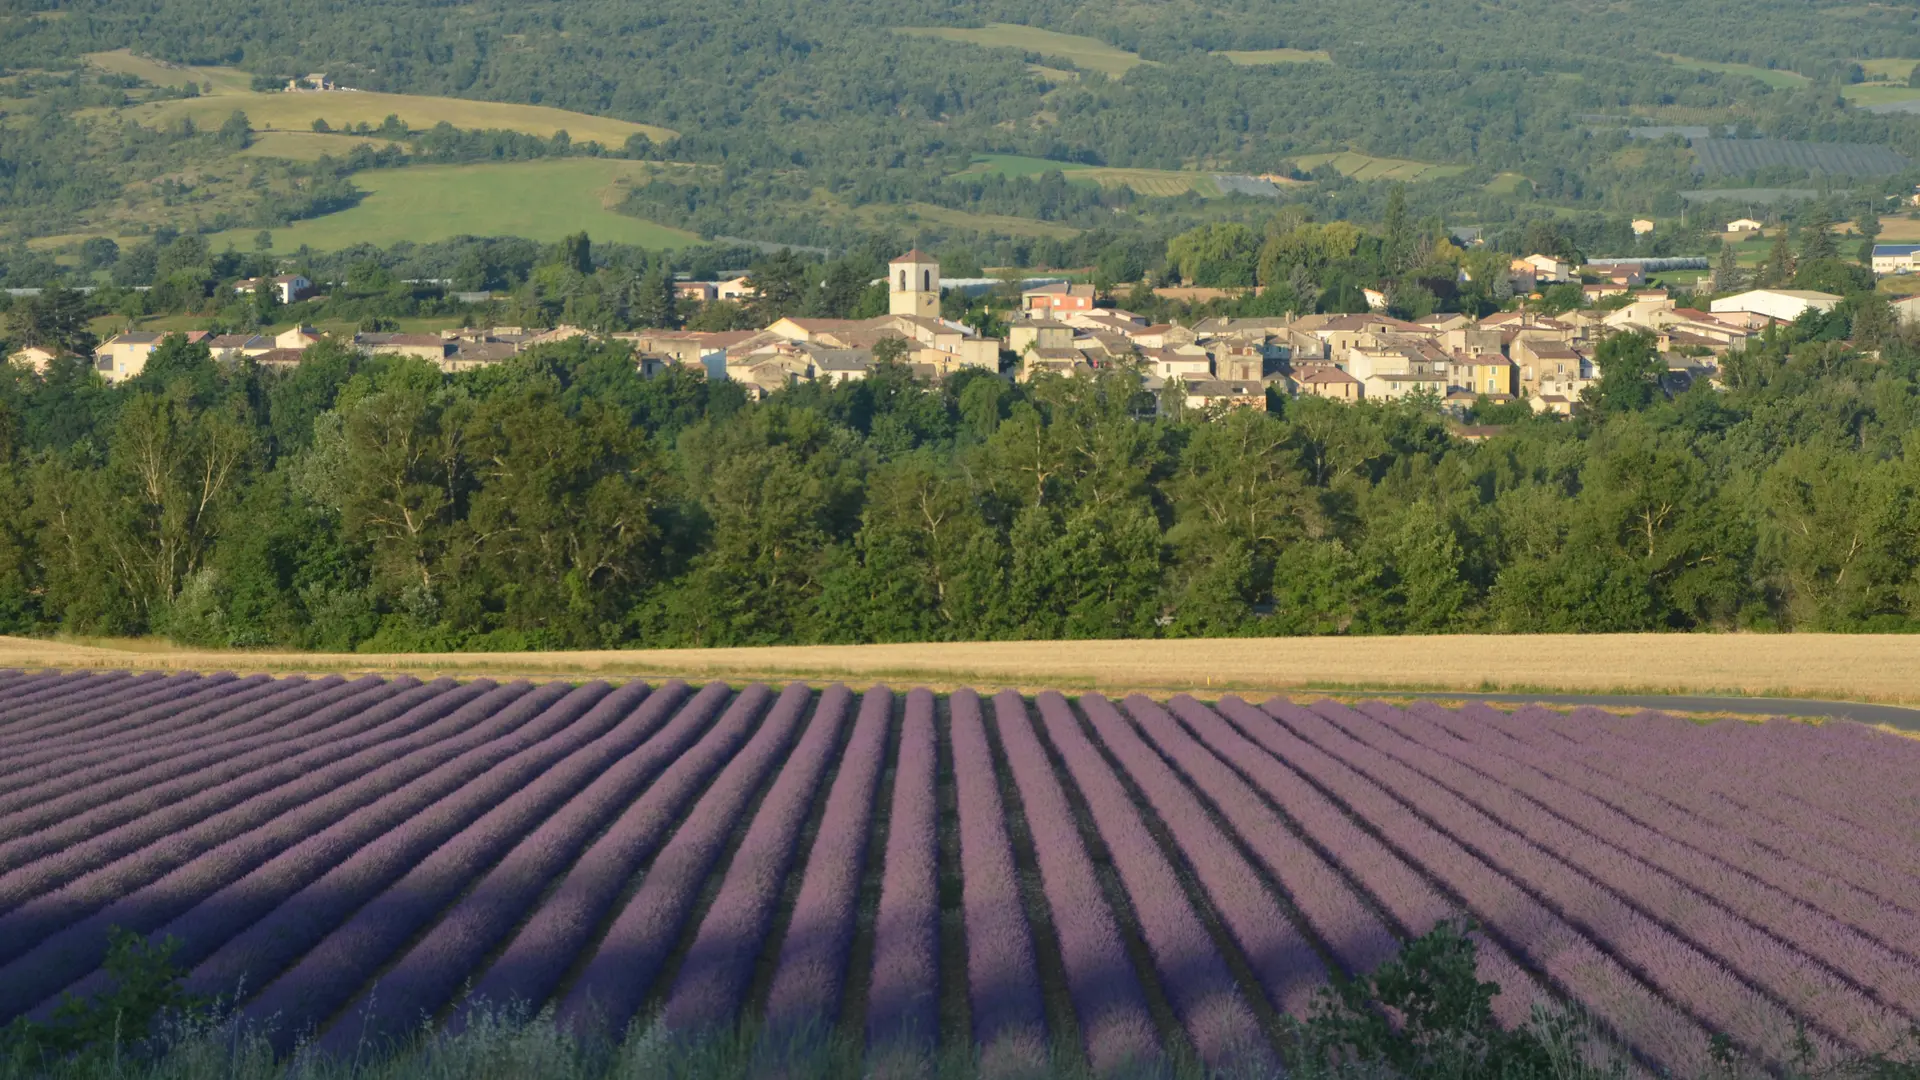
1062,329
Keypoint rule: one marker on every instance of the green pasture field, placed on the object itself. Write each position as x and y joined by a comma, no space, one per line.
1367,167
1506,183
538,200
1878,93
1088,54
1261,57
1014,166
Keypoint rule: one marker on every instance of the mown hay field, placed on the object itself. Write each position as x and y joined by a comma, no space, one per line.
1863,667
1112,885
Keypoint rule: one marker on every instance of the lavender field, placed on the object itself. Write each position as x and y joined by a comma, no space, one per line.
1026,880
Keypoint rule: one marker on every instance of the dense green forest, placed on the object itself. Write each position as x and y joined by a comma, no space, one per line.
560,500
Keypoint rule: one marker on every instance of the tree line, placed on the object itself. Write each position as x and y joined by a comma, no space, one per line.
560,500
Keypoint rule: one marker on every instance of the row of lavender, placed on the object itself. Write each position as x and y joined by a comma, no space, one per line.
345,858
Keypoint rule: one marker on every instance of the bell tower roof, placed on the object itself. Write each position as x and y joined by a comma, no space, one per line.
914,256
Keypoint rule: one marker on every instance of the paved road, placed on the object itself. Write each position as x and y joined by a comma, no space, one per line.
1891,715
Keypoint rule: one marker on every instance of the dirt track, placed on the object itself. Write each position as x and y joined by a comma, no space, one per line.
1883,668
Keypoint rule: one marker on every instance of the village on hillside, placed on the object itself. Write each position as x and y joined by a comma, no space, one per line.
1063,328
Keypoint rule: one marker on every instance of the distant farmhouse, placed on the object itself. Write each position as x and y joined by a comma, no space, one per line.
287,288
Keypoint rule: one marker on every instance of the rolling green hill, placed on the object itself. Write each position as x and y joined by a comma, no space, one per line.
884,104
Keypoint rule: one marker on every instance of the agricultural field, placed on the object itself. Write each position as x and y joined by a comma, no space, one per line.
1888,68
1014,166
1899,230
1022,880
1085,53
540,200
1886,82
1163,182
297,112
1261,57
1507,183
1878,93
162,73
1366,167
1844,667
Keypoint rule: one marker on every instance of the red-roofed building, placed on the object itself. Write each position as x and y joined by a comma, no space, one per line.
1057,298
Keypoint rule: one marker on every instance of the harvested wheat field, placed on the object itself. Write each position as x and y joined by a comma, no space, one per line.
1847,667
1008,881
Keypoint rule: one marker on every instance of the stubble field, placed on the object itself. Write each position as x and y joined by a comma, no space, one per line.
1848,667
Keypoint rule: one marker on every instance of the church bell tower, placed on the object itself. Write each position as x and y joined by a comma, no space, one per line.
913,285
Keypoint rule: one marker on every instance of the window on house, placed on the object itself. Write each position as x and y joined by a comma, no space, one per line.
903,281
926,281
